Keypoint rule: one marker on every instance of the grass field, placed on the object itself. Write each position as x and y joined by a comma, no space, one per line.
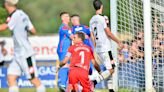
48,90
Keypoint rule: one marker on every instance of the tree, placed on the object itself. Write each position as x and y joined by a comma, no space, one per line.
45,13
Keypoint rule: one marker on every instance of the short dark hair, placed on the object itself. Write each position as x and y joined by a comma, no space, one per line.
75,15
81,35
97,4
62,13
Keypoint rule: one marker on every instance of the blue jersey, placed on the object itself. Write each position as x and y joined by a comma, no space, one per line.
63,45
64,38
84,29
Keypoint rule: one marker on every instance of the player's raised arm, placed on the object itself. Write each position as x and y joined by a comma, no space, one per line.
109,33
67,57
94,62
3,27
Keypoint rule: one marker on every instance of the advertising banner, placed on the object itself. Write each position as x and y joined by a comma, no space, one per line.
46,75
44,46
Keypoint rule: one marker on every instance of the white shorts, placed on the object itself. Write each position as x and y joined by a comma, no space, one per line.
105,59
21,65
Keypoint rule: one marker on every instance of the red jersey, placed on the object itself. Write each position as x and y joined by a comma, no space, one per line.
81,56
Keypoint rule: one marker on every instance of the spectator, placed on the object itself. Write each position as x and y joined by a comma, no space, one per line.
125,50
121,57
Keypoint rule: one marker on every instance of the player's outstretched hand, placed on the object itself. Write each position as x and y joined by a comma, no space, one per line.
57,66
57,69
121,46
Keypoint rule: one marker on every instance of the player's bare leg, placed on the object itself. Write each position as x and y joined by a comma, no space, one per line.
12,83
38,85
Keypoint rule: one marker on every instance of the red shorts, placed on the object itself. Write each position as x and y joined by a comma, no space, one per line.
79,75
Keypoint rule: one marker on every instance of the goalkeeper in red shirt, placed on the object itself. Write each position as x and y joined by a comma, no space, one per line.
80,56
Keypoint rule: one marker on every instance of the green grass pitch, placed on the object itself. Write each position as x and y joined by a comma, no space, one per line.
48,90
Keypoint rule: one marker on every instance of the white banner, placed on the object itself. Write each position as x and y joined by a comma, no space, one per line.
44,46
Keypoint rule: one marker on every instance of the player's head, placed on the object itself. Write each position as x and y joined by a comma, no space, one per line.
65,17
79,37
75,19
10,3
97,4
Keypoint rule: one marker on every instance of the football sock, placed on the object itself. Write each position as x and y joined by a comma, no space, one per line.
103,76
14,89
41,88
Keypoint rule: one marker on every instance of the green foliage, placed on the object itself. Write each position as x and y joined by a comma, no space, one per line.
3,16
45,13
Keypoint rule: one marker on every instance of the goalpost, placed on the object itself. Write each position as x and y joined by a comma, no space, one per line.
139,24
148,46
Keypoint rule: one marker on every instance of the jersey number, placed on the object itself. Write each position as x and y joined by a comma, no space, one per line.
82,56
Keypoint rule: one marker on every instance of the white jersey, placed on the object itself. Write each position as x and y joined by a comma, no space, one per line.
19,23
98,25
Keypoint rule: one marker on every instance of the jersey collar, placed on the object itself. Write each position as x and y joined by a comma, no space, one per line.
80,43
77,25
12,13
101,14
65,24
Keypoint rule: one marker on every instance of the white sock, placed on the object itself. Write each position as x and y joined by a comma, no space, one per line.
91,78
14,89
80,88
110,83
103,76
41,88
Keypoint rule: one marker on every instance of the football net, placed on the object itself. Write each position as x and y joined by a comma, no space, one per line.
157,11
130,28
131,72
